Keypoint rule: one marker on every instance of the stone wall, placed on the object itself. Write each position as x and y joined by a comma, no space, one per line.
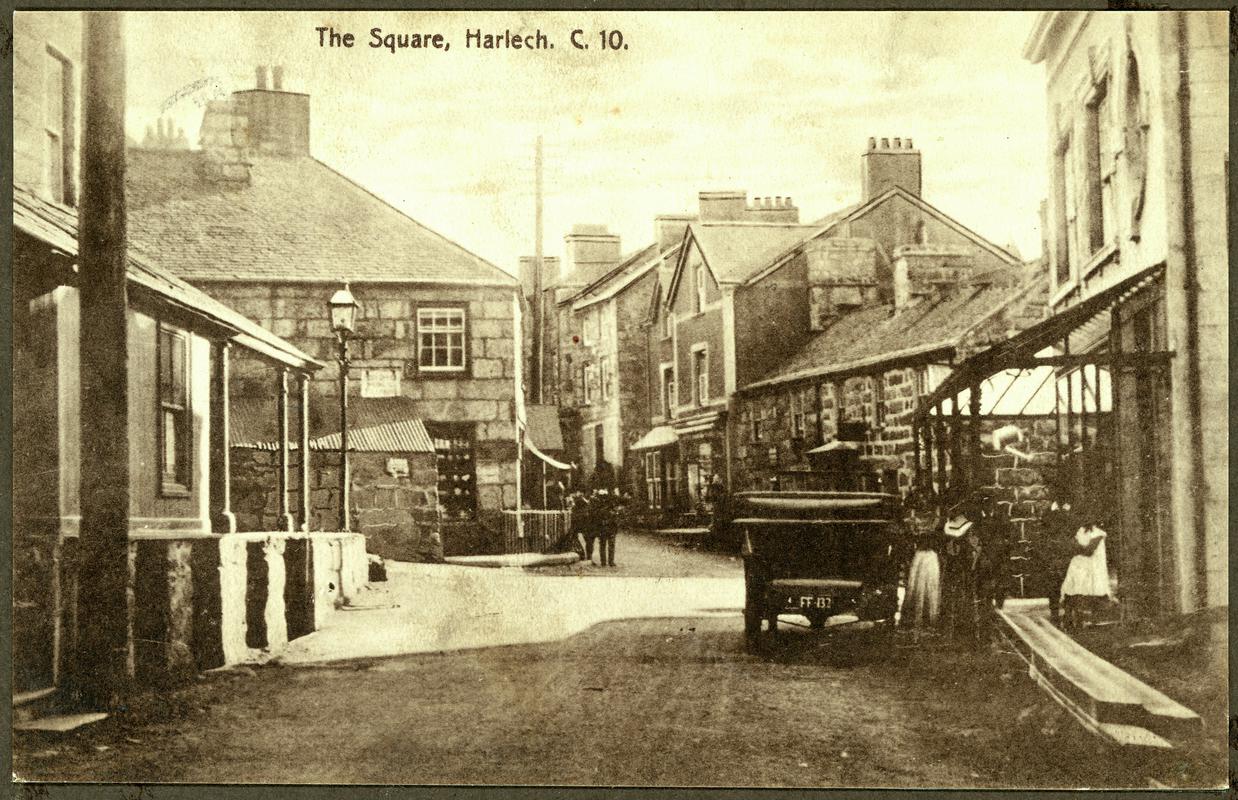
482,396
398,515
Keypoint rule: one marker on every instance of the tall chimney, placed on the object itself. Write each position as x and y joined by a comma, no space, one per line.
277,77
277,122
591,251
261,82
886,166
723,206
668,229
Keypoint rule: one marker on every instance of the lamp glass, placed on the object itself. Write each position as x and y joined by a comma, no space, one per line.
343,308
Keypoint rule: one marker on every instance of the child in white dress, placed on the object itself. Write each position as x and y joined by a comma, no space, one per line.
1087,577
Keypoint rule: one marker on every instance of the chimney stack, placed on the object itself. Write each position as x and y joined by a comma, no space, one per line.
261,83
928,270
668,229
276,122
277,77
591,251
773,209
887,166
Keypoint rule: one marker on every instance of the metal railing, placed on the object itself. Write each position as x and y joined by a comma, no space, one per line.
529,530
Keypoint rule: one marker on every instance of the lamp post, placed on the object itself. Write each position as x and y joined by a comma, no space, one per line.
343,308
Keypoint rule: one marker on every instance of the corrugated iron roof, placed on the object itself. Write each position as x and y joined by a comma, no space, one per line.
405,436
57,226
376,425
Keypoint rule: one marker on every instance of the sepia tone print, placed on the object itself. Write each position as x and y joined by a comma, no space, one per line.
621,398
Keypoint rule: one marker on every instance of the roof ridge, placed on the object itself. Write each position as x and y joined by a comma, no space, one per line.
419,224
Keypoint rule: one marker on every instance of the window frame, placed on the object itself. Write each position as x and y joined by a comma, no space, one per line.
179,482
653,478
588,378
700,373
1097,186
606,373
669,390
668,324
798,421
64,131
699,278
442,308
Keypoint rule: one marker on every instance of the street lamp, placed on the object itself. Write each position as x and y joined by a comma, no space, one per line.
343,308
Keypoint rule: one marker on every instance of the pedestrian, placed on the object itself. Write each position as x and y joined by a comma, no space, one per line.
961,553
992,562
921,607
583,526
1058,525
606,500
1086,584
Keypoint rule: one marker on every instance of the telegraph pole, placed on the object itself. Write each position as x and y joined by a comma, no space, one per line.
539,309
99,675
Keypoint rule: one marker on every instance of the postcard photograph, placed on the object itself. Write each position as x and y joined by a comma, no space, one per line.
619,398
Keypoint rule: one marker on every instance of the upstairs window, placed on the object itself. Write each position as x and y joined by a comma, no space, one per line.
589,381
797,415
174,432
440,339
1098,186
879,401
606,367
668,324
700,374
1065,242
58,127
700,279
668,390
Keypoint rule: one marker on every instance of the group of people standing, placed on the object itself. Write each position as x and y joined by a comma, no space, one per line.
960,569
595,514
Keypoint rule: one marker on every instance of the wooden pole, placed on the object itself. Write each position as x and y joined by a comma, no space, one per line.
304,433
222,518
345,524
539,346
99,674
285,457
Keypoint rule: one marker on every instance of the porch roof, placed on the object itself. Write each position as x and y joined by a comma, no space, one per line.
56,226
661,436
1022,349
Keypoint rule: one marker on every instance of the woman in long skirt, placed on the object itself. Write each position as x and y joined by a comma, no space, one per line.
921,607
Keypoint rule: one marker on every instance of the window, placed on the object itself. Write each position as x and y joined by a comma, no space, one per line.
1098,186
653,479
589,382
668,324
58,126
668,390
879,401
593,326
454,456
174,433
1064,223
606,367
757,419
797,415
1137,145
700,287
700,374
440,339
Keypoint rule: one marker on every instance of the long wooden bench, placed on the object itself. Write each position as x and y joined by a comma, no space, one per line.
1106,699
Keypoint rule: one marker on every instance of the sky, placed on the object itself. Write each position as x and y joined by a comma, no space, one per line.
776,103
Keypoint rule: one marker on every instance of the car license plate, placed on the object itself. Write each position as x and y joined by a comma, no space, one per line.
809,602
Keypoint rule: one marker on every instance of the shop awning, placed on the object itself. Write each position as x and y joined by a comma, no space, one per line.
834,446
1027,349
532,448
700,424
661,436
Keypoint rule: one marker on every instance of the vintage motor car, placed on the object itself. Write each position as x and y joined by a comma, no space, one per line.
817,555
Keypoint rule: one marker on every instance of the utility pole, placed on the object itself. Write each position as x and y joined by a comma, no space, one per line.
99,675
539,309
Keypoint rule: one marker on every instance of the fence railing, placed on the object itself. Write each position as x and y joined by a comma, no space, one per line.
529,530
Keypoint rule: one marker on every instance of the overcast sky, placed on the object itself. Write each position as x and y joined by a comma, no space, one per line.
774,103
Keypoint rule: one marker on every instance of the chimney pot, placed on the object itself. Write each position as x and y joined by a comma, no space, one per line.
262,77
898,143
872,143
909,144
277,77
778,202
789,203
885,144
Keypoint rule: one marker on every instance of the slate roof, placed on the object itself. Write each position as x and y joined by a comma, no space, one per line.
56,225
735,251
875,335
296,219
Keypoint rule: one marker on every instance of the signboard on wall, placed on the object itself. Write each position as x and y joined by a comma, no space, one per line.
380,383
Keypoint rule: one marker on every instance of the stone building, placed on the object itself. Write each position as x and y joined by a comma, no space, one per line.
753,292
201,594
255,219
1138,261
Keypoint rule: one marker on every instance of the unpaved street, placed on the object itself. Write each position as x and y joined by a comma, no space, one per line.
653,700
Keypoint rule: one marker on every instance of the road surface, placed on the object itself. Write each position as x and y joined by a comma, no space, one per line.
639,699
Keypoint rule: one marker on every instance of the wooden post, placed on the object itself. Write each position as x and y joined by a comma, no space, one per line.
222,518
304,431
973,455
99,675
285,463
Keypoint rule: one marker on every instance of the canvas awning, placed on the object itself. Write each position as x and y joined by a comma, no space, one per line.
532,448
661,436
699,424
835,445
